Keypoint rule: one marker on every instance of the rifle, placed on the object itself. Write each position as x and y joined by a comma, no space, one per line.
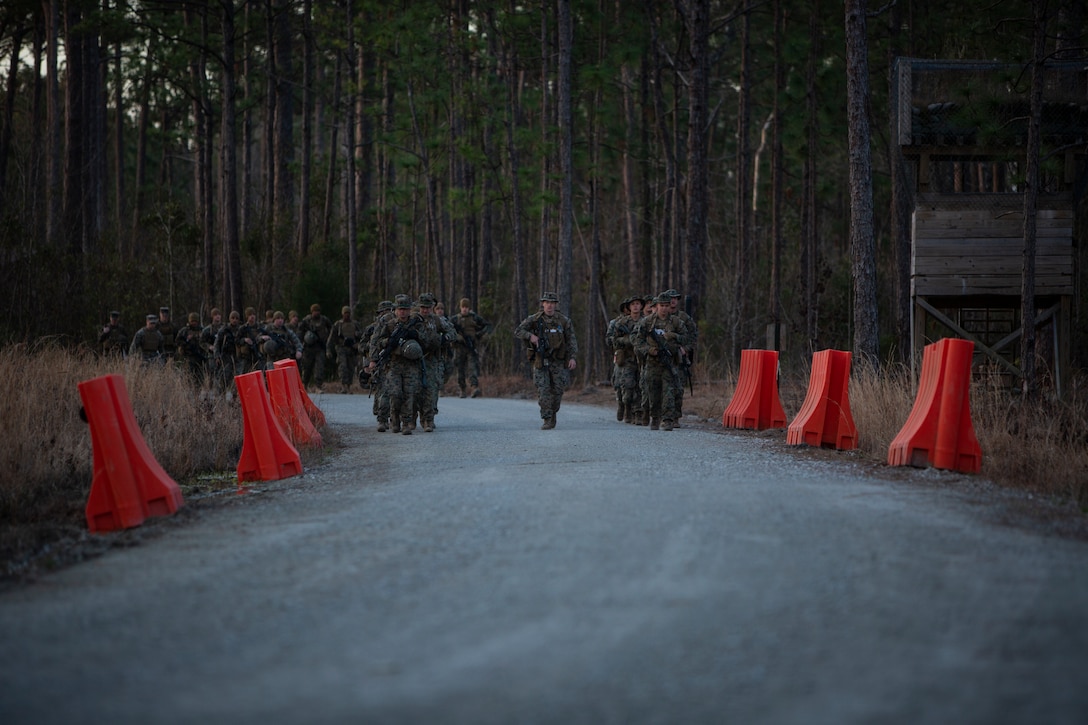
663,350
543,347
192,347
685,363
469,341
392,344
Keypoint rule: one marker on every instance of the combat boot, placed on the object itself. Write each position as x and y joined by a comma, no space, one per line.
407,428
655,424
428,426
549,422
619,411
666,424
629,414
475,392
463,393
383,426
396,422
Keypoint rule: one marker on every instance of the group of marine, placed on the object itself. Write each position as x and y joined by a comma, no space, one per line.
410,350
216,352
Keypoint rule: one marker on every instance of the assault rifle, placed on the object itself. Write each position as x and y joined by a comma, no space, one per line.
469,340
191,345
543,347
664,351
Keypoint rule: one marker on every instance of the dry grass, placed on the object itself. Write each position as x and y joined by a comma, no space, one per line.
47,462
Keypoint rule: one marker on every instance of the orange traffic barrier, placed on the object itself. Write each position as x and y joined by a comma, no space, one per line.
755,403
287,403
939,431
267,454
824,418
128,485
316,416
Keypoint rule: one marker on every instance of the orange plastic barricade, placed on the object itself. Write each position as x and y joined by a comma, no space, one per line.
755,403
289,408
939,431
128,485
824,418
267,454
316,416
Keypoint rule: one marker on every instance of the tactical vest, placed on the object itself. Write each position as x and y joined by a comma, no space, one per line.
468,325
554,331
150,341
349,333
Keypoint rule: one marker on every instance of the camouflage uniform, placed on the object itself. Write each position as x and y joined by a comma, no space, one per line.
366,376
659,338
344,342
226,348
447,347
625,370
402,376
169,333
551,370
113,340
248,356
207,342
278,342
315,329
441,331
189,349
147,343
471,329
687,355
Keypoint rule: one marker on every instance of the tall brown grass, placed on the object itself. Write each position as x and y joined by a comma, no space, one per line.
46,463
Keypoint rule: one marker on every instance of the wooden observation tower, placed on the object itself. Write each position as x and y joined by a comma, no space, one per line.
962,131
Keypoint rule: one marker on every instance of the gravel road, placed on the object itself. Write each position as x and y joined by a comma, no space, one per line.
491,572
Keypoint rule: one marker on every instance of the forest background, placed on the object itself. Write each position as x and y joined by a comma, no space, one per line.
276,153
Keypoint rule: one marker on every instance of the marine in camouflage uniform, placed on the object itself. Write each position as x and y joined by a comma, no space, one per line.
344,341
189,349
552,346
442,332
447,347
687,351
277,342
398,345
147,343
610,341
659,337
207,341
169,333
366,377
314,330
625,371
113,340
226,347
471,329
248,355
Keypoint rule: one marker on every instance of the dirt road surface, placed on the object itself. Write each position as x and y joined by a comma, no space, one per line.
491,572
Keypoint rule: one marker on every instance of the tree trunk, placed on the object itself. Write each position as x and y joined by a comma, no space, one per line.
810,254
862,243
228,167
739,328
1029,381
777,173
54,148
306,162
566,156
351,209
143,124
697,18
9,113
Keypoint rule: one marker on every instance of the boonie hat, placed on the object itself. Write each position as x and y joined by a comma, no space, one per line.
673,293
549,297
152,317
402,302
426,300
385,305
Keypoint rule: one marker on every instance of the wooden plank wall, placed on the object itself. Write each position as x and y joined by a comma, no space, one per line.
958,252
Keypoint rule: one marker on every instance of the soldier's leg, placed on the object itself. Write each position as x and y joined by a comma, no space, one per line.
671,392
410,383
